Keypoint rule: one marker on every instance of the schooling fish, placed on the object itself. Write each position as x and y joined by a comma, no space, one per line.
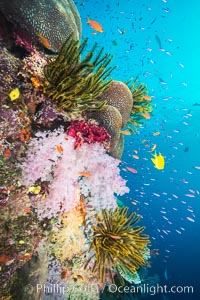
156,133
95,25
147,97
146,116
158,41
59,148
131,170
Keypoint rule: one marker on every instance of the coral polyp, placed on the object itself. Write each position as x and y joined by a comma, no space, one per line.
116,244
74,84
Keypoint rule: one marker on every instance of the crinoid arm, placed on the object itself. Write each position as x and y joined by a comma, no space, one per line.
74,84
119,247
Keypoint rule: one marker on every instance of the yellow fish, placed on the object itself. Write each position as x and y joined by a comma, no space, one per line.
158,161
14,94
34,189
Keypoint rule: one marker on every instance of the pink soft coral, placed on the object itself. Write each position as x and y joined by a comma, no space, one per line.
66,166
41,157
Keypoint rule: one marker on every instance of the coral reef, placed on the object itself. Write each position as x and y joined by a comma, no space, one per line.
80,86
40,21
60,134
116,243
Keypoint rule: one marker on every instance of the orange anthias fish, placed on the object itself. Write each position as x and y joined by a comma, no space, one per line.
95,25
135,156
146,116
156,133
115,237
45,42
125,132
147,97
59,148
86,174
134,202
158,161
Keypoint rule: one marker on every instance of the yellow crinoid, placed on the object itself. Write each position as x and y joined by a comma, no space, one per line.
117,243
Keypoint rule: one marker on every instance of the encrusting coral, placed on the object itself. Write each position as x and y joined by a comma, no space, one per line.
9,66
20,237
48,22
116,243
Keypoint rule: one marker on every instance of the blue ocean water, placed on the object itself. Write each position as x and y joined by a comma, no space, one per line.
158,41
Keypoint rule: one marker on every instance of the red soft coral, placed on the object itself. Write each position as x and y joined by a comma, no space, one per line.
87,132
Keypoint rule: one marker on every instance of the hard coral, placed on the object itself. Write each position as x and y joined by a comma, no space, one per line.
119,96
48,22
115,114
110,118
119,148
117,243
